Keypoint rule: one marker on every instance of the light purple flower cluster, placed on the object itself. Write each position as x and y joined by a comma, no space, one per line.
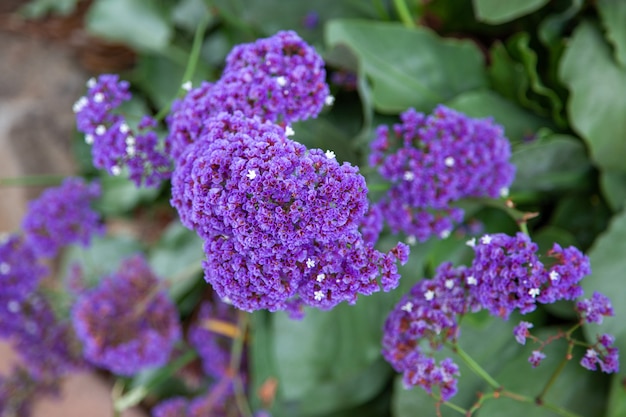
280,79
594,310
428,312
280,222
115,144
62,216
210,346
129,333
434,161
602,353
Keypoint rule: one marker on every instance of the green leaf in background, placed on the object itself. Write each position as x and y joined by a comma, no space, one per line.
119,195
613,185
608,265
142,24
409,67
596,106
613,15
550,163
519,124
40,8
189,13
499,11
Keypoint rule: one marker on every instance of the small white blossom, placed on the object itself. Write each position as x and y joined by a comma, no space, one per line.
504,192
124,128
89,139
411,240
91,83
471,243
281,81
408,176
321,277
330,154
445,234
4,268
186,86
251,174
310,263
591,353
329,100
13,306
471,280
289,131
554,276
534,292
227,300
115,170
130,141
485,240
429,295
449,161
80,104
130,150
319,295
98,97
101,130
449,284
408,307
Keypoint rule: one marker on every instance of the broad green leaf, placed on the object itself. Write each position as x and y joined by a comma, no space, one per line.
120,194
613,15
498,11
617,395
409,67
142,24
518,123
613,185
596,106
507,76
551,163
189,13
581,213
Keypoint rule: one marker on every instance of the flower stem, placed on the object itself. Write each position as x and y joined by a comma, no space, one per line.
235,363
476,368
32,180
404,14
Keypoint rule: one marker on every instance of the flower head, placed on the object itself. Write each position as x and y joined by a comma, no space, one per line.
536,357
521,331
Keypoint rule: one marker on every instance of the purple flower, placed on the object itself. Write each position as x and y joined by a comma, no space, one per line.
521,332
602,353
593,310
172,407
433,161
62,216
570,267
211,347
20,273
536,357
127,323
115,144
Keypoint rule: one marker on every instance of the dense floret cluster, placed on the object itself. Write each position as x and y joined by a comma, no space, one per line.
62,216
434,161
129,333
20,274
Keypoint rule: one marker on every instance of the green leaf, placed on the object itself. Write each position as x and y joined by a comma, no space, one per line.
613,185
498,11
36,9
142,24
613,15
409,67
120,194
596,106
189,13
519,124
551,163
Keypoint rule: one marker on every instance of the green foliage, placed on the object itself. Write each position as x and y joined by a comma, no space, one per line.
496,11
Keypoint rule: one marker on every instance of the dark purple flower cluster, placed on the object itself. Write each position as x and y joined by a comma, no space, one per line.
129,333
62,216
602,353
280,79
114,143
20,274
434,161
280,222
218,401
211,346
428,312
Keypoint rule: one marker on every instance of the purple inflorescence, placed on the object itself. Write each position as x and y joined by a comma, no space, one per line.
279,79
172,407
210,346
20,273
521,331
536,357
433,161
114,144
62,216
594,310
280,222
602,353
122,339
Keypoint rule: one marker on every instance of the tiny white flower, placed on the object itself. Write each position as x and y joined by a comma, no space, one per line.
101,130
227,300
89,139
504,192
310,263
130,141
130,150
98,97
591,353
91,83
408,176
471,280
4,268
471,243
320,277
115,170
411,240
124,128
408,307
186,86
445,234
534,292
554,275
289,131
281,81
429,295
329,100
319,295
485,240
329,154
13,306
449,284
251,174
80,104
449,161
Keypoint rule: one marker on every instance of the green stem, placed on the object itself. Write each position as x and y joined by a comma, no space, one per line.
552,379
455,407
404,14
235,363
33,180
381,10
476,368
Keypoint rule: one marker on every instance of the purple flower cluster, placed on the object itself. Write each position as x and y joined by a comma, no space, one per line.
280,222
521,331
127,334
62,216
594,310
434,161
602,353
210,345
280,79
20,274
114,143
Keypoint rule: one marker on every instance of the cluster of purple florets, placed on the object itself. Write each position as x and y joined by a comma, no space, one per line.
280,221
433,161
129,333
506,275
280,79
212,347
115,144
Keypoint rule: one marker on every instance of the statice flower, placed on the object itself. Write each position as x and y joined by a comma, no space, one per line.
536,357
602,353
127,322
279,79
434,161
521,331
594,310
20,274
430,311
62,216
280,222
211,346
570,266
115,145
